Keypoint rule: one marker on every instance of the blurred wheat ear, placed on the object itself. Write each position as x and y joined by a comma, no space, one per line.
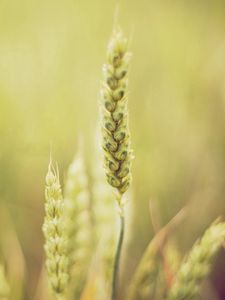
105,225
77,219
196,265
144,281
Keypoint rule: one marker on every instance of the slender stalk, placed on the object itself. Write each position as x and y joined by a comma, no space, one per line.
117,258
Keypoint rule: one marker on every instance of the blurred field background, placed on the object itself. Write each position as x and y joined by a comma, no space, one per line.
51,54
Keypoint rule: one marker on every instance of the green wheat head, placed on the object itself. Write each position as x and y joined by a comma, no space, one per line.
116,136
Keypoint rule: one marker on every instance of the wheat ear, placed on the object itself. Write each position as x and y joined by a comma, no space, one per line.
143,282
4,286
56,249
116,136
197,264
78,221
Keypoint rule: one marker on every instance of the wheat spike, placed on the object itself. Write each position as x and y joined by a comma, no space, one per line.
196,266
144,281
116,135
78,221
56,249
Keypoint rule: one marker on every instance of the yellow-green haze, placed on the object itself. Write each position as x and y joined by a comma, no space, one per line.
51,54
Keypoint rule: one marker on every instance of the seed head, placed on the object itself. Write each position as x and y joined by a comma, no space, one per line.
115,130
144,281
78,221
197,264
56,249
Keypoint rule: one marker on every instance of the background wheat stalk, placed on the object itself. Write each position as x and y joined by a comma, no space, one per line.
77,221
4,286
105,217
144,281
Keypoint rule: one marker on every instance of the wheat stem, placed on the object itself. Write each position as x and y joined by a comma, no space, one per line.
117,257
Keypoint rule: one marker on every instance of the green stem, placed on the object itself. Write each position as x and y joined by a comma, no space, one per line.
117,258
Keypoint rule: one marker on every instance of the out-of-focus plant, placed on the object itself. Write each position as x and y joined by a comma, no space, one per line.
77,221
197,264
4,286
144,281
106,226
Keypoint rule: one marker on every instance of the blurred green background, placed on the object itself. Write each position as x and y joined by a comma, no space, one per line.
51,54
